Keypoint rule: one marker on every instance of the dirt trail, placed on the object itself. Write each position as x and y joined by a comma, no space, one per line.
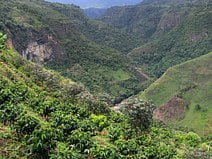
140,71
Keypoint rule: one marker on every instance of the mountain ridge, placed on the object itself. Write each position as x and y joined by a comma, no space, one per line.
164,30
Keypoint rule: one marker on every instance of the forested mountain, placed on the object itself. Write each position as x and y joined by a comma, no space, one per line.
94,12
171,31
62,38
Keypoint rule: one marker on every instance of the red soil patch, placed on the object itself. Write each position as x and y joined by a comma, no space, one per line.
174,109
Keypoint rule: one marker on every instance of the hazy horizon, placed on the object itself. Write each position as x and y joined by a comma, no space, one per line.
97,3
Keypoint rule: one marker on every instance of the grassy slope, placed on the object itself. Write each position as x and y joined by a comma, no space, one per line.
196,73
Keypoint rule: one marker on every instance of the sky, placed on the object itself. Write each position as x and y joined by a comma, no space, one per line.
97,3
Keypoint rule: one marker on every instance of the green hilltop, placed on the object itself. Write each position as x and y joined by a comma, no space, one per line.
190,81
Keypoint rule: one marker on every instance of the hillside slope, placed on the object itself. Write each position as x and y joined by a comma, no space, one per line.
187,86
63,39
44,115
171,31
94,12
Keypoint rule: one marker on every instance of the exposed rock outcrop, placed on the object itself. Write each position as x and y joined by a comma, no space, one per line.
197,37
168,21
39,50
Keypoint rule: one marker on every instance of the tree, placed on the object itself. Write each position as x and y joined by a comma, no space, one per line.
140,113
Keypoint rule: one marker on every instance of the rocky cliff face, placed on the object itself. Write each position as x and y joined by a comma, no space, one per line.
38,52
170,20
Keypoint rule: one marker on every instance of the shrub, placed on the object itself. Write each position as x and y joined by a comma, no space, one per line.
66,123
3,39
80,140
64,151
127,147
9,112
44,140
140,113
105,152
100,121
26,124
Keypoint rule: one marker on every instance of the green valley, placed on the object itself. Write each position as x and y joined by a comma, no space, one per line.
134,83
62,38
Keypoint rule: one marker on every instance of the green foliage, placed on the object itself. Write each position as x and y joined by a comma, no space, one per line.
47,107
26,124
140,113
100,121
98,107
43,140
115,131
81,140
9,112
3,39
190,139
66,123
48,124
197,107
143,19
171,32
63,151
127,148
105,152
